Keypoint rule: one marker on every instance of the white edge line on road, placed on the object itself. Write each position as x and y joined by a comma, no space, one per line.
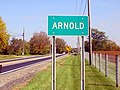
16,69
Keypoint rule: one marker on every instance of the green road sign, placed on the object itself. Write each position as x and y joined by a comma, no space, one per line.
68,25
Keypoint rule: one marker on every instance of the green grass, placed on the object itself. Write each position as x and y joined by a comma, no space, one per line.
96,80
68,77
68,74
4,57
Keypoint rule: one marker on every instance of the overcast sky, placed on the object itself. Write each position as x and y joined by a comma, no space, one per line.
32,15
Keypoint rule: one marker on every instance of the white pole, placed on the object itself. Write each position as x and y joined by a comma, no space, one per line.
53,65
82,65
106,65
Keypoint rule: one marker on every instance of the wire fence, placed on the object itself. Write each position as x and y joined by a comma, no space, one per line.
108,64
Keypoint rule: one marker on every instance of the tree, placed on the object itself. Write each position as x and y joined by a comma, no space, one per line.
27,48
111,46
100,42
60,45
98,39
4,36
39,43
16,46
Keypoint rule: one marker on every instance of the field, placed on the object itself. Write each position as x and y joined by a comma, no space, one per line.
68,77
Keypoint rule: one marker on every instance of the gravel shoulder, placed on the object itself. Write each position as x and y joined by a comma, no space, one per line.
10,80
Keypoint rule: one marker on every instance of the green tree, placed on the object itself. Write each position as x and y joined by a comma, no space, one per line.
98,39
4,36
40,44
60,45
100,42
27,48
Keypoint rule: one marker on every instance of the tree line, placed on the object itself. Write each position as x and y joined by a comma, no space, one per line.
41,44
100,42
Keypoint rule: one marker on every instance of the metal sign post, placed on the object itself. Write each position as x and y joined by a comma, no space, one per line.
53,65
68,26
82,65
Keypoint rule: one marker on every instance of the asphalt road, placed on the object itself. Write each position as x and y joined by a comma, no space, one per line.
14,67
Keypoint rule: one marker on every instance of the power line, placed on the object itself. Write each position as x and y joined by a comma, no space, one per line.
14,34
76,7
90,34
85,7
80,7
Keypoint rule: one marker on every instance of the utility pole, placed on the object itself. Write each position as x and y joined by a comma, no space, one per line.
90,35
78,43
23,52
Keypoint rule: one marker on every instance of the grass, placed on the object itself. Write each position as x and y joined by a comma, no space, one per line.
111,68
68,74
4,57
96,80
68,77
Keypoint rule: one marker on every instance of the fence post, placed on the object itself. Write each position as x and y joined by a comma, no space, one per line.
95,60
106,65
99,62
117,61
92,59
